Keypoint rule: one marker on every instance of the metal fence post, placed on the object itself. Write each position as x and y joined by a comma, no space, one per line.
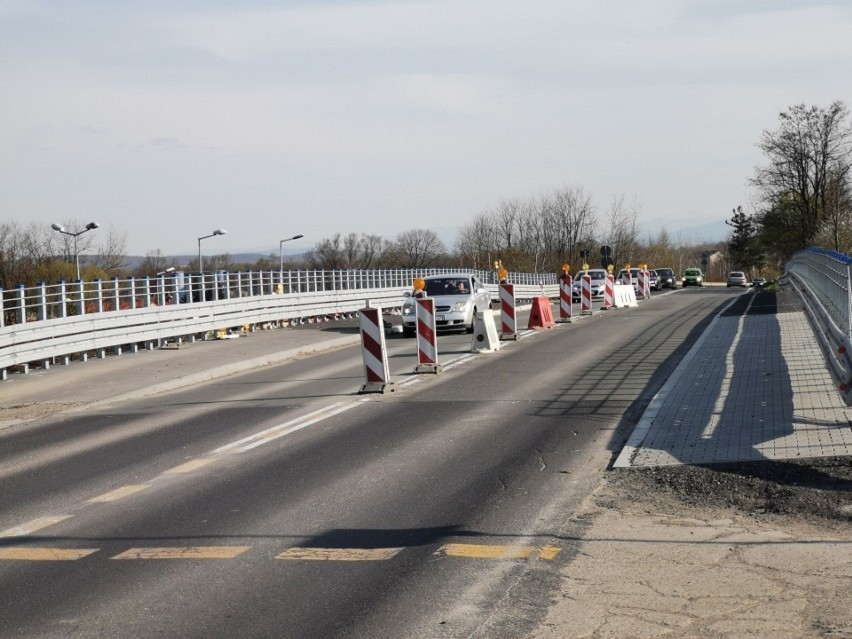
849,300
116,301
42,301
99,292
22,309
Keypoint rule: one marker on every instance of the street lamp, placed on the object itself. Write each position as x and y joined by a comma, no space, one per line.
171,269
281,251
204,237
89,227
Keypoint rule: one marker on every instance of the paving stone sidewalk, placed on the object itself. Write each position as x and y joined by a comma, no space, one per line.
754,386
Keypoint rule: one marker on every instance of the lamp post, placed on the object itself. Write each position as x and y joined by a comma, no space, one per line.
171,269
204,237
89,227
281,251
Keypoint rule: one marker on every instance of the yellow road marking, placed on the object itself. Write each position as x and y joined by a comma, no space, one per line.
339,554
188,552
548,552
46,554
188,467
118,493
34,525
483,551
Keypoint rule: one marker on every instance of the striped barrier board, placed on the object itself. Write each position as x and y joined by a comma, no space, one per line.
566,303
642,284
427,341
586,295
374,352
609,292
647,284
507,312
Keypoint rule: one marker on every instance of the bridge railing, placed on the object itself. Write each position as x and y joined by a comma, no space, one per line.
44,322
823,280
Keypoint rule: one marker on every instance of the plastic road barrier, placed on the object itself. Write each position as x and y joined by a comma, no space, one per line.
586,295
427,340
507,312
566,303
374,351
609,292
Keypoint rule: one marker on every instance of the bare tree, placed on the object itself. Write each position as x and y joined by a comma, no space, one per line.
154,262
620,231
811,148
835,232
477,242
419,248
327,253
112,252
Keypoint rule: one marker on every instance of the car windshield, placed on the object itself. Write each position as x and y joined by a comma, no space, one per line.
595,275
448,286
693,271
737,274
664,272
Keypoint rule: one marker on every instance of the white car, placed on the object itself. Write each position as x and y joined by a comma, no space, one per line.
458,296
598,276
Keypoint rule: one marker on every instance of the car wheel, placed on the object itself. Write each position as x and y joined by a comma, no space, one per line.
472,326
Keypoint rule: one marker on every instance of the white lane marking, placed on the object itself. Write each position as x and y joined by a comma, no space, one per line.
458,361
270,434
34,525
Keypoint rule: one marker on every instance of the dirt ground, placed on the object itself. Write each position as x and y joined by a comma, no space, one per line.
758,549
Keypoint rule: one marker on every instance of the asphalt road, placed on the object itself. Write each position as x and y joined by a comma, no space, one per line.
279,503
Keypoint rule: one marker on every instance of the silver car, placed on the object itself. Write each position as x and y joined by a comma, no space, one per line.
737,278
458,296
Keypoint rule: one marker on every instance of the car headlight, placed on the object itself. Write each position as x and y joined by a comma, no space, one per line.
698,279
408,309
459,307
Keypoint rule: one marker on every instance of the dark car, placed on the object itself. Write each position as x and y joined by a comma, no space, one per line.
666,278
759,282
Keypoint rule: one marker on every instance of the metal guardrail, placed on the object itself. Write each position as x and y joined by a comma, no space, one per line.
823,281
43,323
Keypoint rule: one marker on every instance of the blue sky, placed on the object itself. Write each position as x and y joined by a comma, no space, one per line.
166,120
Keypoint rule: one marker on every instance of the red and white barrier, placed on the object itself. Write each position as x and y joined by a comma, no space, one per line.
566,303
374,352
647,284
642,284
427,340
586,295
507,312
609,292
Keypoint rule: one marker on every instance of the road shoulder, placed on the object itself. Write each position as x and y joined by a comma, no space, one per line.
736,550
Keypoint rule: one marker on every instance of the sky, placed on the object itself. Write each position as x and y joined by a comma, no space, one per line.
167,119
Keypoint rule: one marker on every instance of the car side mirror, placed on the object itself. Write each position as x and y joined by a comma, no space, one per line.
480,290
407,294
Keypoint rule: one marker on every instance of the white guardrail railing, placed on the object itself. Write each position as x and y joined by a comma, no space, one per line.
41,323
823,281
